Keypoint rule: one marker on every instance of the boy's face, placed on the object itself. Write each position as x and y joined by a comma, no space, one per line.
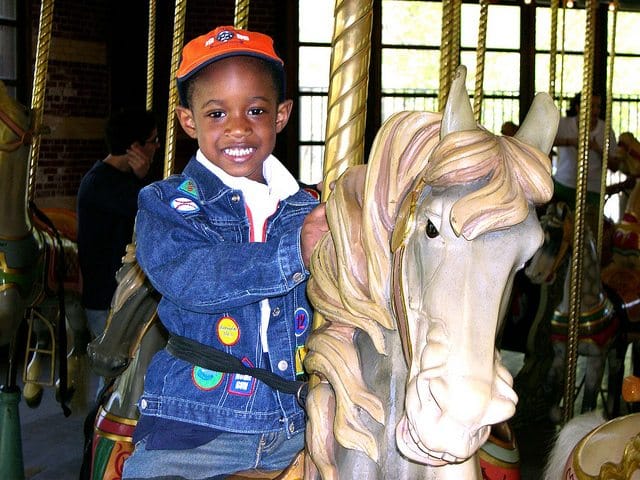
235,116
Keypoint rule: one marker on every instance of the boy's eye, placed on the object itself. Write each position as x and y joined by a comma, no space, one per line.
217,114
256,111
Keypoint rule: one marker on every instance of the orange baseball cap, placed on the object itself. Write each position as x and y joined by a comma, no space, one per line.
223,42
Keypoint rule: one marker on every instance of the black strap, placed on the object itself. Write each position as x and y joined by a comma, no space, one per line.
211,358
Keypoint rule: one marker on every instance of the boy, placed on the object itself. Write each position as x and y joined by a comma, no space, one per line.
227,243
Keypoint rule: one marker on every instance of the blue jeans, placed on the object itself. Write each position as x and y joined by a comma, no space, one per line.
228,453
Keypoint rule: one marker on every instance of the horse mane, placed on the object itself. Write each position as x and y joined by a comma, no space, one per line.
351,268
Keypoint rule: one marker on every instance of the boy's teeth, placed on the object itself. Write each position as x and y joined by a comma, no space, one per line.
238,152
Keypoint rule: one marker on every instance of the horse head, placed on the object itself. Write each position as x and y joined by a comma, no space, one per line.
412,282
471,224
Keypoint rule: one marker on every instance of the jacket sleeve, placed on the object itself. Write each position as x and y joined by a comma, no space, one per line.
199,271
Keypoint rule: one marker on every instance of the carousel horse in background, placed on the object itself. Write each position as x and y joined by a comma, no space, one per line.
621,276
598,326
40,277
588,448
412,283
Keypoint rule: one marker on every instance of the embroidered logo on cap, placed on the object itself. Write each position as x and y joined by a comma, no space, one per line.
228,331
206,379
224,36
184,205
189,188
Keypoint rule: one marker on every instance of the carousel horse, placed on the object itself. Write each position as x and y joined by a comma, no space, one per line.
40,276
621,276
411,283
590,448
597,326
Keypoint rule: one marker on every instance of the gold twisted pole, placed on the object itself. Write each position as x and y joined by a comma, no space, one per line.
455,43
553,47
241,17
151,51
481,50
579,226
348,81
607,127
446,40
39,87
178,40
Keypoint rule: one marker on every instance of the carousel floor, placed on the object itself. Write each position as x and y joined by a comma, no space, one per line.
53,443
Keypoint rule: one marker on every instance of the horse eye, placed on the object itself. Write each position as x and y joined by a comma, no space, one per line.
432,231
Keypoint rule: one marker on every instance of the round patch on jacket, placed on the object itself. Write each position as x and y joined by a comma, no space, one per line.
228,331
184,205
206,379
301,319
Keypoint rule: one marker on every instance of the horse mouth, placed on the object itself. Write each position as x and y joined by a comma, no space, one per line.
411,446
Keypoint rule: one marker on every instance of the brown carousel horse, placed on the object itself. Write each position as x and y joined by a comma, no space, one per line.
412,307
39,278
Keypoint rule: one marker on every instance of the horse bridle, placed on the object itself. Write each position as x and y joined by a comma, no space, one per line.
25,136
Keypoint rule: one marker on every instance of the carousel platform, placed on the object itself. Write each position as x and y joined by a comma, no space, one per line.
53,443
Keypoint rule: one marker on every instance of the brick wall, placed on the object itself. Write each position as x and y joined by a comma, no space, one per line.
98,63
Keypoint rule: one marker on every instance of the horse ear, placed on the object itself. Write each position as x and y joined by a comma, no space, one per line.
458,114
540,126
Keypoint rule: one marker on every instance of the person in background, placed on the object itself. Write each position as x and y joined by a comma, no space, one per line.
228,244
567,159
107,205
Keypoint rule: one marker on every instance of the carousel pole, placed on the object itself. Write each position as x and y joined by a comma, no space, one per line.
579,226
607,127
553,47
178,40
39,84
241,16
480,57
151,50
347,100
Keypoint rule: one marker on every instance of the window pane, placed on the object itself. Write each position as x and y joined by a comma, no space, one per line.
572,68
411,23
503,26
626,32
410,69
625,75
313,111
315,63
311,163
573,32
8,60
427,102
8,9
316,20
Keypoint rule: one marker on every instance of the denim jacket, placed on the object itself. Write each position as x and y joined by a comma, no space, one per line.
193,244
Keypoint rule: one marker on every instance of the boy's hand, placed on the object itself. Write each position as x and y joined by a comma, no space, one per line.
314,227
138,160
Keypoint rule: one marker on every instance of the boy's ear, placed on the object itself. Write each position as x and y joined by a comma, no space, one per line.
185,117
282,116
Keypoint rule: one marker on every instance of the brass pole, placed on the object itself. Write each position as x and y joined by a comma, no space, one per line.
446,39
178,40
348,81
579,227
151,51
607,127
481,51
553,47
241,17
39,87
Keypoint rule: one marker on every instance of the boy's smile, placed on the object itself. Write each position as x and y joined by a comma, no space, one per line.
235,115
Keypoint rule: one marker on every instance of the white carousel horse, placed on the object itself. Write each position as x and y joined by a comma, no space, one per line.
589,448
39,277
412,283
597,326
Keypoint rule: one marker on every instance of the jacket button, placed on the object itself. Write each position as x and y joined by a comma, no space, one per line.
298,277
235,198
291,428
275,312
143,404
283,365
